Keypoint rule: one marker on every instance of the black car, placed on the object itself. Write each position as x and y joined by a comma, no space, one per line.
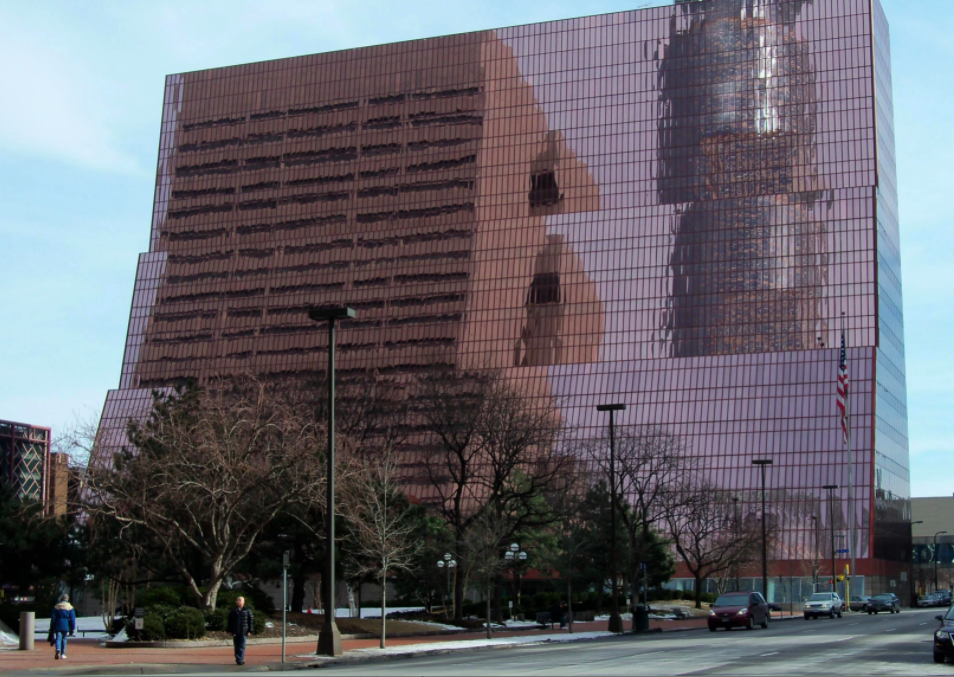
943,645
884,602
943,598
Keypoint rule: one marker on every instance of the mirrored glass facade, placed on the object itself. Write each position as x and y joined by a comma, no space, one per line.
676,208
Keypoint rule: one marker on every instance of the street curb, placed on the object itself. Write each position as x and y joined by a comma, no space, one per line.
203,644
165,668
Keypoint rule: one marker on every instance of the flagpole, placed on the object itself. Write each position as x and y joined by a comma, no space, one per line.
851,484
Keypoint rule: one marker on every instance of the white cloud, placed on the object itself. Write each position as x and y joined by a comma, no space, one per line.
50,104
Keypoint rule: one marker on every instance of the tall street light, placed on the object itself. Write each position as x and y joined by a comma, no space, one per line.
737,527
616,621
761,463
914,596
935,558
831,518
816,555
329,639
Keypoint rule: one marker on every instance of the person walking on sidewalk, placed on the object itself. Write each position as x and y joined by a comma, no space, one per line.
240,625
62,622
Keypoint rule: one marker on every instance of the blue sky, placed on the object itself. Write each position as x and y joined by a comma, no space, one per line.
79,126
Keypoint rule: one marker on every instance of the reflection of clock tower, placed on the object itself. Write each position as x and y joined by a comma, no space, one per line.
748,264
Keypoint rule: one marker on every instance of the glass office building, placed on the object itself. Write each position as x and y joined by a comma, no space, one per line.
678,208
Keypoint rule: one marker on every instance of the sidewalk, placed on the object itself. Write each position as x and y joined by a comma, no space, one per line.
91,654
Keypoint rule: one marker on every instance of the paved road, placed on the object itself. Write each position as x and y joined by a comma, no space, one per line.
854,645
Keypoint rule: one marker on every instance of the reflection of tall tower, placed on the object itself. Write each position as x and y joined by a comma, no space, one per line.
737,154
564,316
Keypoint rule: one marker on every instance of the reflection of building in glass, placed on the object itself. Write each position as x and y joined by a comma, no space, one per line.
25,460
737,153
666,207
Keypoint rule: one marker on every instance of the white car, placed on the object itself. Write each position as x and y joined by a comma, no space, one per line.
824,604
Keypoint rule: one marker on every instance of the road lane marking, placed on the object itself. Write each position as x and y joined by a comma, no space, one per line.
774,653
923,623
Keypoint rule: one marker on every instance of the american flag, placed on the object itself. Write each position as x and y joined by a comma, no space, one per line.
842,399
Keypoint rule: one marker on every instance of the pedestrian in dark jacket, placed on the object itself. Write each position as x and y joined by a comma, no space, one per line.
62,623
240,625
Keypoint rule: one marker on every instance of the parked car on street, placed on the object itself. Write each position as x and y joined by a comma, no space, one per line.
928,600
739,610
943,597
943,643
824,604
858,603
885,602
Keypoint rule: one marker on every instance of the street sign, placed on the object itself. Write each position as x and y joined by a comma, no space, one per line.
644,566
138,623
842,551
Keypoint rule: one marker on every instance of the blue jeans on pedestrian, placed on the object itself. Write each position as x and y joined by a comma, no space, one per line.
238,641
60,638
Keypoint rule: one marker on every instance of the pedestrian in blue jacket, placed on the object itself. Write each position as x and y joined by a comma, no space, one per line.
62,622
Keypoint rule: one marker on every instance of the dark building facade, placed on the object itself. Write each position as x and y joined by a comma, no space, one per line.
25,460
673,207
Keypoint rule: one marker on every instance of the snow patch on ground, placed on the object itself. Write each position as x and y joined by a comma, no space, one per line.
521,624
371,611
431,647
93,625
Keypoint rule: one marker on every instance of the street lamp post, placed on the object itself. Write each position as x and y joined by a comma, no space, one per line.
329,639
737,526
816,554
515,557
761,463
935,558
914,596
831,518
449,564
616,621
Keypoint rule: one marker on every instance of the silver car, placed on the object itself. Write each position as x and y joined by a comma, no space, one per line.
824,604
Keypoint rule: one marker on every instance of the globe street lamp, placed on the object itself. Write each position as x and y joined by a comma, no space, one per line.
329,639
831,518
615,621
447,563
761,463
514,558
935,558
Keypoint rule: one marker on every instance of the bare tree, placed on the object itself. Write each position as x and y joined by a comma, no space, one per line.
575,538
206,472
703,535
494,449
651,472
485,542
382,527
